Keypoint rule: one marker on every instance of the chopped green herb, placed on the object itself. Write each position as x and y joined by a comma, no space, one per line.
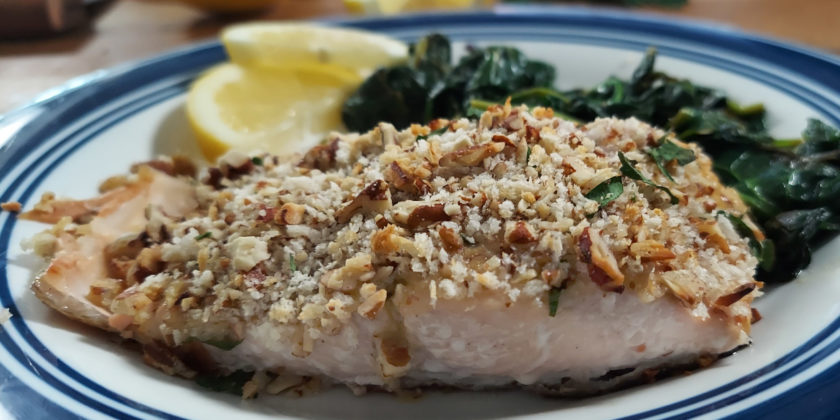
631,172
256,160
231,383
437,132
203,236
553,300
668,151
528,156
292,262
606,191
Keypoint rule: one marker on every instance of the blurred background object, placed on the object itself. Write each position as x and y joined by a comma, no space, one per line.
43,43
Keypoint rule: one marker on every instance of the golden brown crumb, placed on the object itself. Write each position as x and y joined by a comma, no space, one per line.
12,206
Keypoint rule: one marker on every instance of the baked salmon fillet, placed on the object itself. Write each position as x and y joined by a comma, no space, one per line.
519,249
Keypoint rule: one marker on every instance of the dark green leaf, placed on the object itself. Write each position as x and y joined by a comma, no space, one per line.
256,160
668,151
203,236
553,300
630,171
606,191
528,156
644,70
231,383
819,138
292,263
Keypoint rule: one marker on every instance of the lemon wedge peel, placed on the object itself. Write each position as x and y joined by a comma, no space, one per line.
285,86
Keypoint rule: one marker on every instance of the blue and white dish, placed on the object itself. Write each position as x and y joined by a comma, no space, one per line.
95,126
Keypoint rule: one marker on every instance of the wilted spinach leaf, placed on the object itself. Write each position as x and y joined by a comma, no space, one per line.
428,86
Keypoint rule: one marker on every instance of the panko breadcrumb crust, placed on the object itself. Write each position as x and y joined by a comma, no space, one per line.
460,209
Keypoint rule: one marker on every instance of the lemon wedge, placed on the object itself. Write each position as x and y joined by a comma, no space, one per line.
277,111
342,52
284,89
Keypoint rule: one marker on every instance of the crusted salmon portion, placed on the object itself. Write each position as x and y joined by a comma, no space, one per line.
463,253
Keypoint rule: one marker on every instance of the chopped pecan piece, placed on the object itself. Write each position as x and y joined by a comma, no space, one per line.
375,198
355,270
735,296
389,241
403,180
371,306
532,135
681,290
176,165
603,268
710,231
471,156
12,206
321,157
499,138
519,233
289,214
452,242
413,214
148,262
651,250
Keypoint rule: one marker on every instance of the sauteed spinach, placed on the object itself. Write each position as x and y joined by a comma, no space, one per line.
792,186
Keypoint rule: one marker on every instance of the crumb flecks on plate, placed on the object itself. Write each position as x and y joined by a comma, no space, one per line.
389,260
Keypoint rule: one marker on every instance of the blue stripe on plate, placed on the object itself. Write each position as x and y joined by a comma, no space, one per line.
76,103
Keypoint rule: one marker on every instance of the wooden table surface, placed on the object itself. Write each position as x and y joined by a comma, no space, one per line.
133,29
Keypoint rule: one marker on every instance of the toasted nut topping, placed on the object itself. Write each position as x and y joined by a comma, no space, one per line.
651,250
519,233
387,241
371,306
289,214
532,135
473,155
499,138
603,269
756,316
321,157
375,198
355,270
710,231
12,206
402,180
412,214
682,291
452,242
735,296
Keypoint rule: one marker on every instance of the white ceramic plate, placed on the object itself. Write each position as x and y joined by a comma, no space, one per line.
75,136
